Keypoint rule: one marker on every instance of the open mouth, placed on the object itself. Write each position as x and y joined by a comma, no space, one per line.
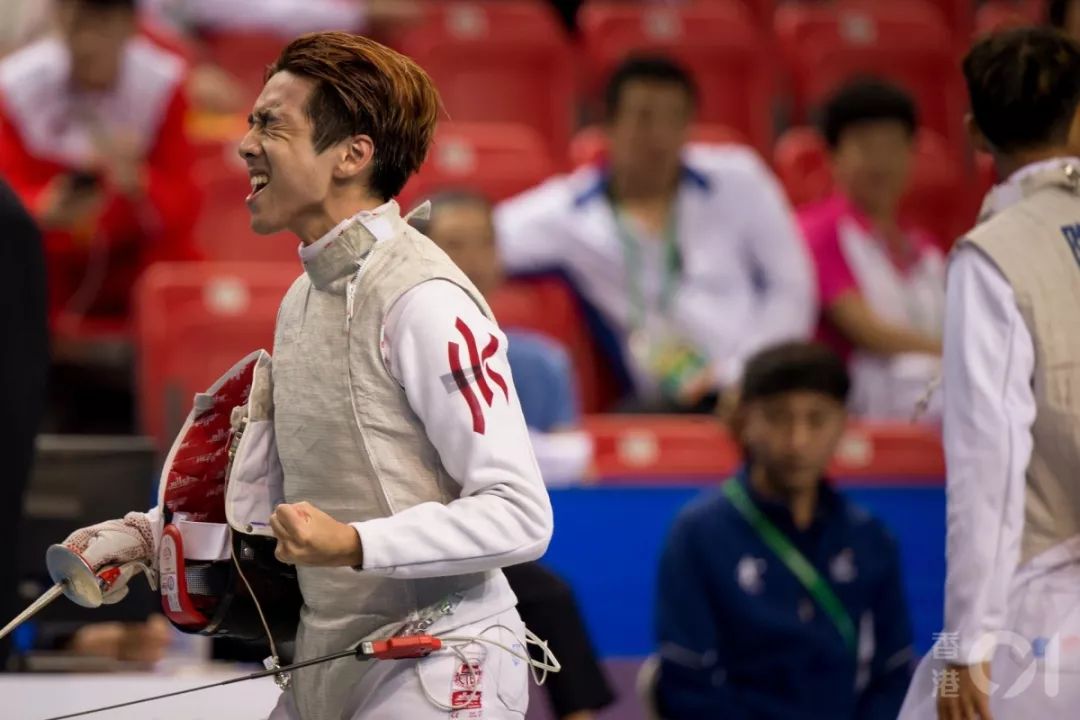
259,181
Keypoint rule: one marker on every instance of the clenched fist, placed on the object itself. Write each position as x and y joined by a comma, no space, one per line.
308,536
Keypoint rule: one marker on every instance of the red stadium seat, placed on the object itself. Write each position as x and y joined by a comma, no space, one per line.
995,15
802,164
637,449
902,40
193,321
718,42
959,16
495,159
498,61
547,306
939,199
590,144
761,10
223,231
245,55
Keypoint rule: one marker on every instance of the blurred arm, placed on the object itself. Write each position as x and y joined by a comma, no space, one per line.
867,331
528,228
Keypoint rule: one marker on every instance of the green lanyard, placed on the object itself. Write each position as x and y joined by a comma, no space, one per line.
795,561
632,255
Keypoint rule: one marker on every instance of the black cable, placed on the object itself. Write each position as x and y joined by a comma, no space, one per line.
357,652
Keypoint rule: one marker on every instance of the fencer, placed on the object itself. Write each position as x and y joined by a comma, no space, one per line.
1011,642
409,478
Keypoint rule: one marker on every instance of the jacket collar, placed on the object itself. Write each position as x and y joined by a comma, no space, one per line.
1028,180
827,505
598,188
335,257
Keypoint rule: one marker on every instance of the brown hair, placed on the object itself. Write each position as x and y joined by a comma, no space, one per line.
364,88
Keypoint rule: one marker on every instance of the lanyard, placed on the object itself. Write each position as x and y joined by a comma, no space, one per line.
795,561
631,246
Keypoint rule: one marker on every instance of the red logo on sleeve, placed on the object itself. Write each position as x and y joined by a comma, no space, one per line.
480,371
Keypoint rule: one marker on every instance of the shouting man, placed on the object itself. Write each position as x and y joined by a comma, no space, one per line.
409,478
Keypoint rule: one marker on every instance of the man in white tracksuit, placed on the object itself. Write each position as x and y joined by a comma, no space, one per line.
409,478
1011,643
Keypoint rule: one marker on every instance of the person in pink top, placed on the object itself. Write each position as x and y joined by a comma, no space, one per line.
881,284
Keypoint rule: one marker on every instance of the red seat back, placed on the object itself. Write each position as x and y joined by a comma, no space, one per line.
906,41
760,10
959,16
223,230
718,42
939,199
802,165
498,160
194,321
498,61
245,55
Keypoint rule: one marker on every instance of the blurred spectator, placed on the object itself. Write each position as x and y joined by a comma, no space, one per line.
23,365
690,255
284,17
461,225
143,642
881,285
778,598
92,139
1065,16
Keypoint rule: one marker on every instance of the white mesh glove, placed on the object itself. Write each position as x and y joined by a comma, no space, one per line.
114,542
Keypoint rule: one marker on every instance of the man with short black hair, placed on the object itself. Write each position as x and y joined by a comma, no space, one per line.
689,254
1011,410
778,598
880,281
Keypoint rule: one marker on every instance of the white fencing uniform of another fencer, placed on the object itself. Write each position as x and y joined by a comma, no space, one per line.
1012,594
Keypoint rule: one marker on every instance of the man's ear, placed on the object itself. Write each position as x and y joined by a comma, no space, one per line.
975,135
356,155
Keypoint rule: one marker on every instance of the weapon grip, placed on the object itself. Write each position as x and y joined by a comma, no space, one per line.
82,585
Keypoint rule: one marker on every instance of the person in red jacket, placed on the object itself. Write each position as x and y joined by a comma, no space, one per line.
92,140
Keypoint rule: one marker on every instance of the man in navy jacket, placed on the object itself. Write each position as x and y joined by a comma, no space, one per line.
778,598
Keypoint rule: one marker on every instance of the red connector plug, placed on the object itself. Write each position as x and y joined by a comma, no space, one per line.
397,648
